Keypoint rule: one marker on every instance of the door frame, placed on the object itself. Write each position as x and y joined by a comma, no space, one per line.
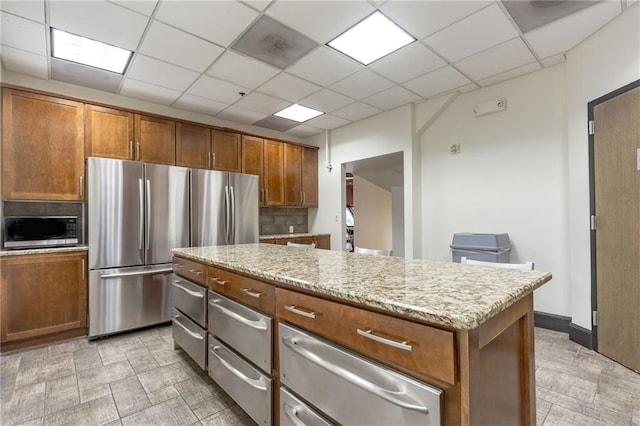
592,202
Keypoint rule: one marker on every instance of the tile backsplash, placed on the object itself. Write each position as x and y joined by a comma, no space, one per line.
276,220
37,208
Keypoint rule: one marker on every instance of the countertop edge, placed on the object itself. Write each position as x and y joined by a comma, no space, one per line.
50,250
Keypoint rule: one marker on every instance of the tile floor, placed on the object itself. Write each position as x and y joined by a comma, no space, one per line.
139,379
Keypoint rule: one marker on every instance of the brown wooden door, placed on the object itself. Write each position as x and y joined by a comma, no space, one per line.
310,177
42,295
292,175
155,140
193,146
252,157
226,148
617,236
42,147
273,173
108,132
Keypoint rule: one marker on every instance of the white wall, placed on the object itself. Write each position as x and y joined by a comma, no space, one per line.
397,220
372,213
509,177
607,60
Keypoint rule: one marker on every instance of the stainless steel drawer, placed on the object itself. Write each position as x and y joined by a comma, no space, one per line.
351,389
247,385
294,412
190,299
190,337
245,330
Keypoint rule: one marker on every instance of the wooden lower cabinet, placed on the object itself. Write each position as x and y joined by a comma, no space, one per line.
44,298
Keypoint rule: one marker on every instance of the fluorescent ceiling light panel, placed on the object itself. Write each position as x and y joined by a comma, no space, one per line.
298,113
88,52
371,39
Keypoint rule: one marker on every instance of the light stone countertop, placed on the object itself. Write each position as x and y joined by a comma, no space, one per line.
21,252
281,236
444,293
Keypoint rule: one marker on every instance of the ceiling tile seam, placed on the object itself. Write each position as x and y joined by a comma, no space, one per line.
488,48
504,72
47,36
460,19
520,33
6,12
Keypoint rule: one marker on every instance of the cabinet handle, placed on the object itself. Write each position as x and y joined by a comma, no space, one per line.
369,335
189,332
260,324
266,196
304,198
186,290
252,293
259,384
137,150
194,271
83,271
301,197
209,160
219,281
81,186
214,160
131,150
178,265
294,309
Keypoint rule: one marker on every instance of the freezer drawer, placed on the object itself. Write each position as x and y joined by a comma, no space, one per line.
190,337
190,299
294,412
245,330
351,389
127,298
248,386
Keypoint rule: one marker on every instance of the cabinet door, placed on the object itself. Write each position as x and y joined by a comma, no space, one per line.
108,132
323,242
193,146
226,149
310,177
292,175
155,140
252,160
42,295
42,147
273,173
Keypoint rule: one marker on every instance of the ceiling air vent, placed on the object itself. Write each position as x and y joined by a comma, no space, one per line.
532,14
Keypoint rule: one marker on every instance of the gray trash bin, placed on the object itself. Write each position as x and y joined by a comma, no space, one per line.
486,247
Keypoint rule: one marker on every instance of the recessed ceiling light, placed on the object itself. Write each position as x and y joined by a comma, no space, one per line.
88,52
298,113
371,39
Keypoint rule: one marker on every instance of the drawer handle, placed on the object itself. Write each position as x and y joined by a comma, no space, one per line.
189,332
252,293
219,281
395,396
178,265
292,414
294,309
257,384
258,325
369,335
194,271
186,290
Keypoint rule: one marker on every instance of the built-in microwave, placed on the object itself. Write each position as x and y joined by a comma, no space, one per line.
21,232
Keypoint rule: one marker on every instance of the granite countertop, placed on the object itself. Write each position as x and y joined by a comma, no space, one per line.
20,252
295,235
444,293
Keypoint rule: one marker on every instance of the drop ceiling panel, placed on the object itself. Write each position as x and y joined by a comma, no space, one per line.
23,34
423,18
529,15
288,87
24,62
148,92
485,28
179,48
525,69
504,57
276,123
99,20
217,21
263,104
86,76
242,70
202,105
241,115
553,60
326,100
161,73
145,7
215,89
327,121
437,82
320,20
257,4
362,84
392,98
356,111
409,62
304,131
554,37
33,10
324,66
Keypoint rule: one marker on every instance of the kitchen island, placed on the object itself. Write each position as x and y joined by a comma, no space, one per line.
464,330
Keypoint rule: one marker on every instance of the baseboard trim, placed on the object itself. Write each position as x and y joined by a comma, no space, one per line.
580,335
551,321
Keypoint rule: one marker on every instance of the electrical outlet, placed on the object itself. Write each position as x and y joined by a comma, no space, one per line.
454,149
291,229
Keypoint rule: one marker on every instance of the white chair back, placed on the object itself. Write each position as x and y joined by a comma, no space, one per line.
299,245
374,252
528,266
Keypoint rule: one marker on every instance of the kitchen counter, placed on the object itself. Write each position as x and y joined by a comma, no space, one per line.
21,252
455,296
282,236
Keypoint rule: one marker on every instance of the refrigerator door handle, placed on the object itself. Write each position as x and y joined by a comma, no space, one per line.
148,221
140,214
226,214
232,233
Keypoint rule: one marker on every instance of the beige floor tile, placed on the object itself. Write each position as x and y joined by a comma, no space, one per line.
95,412
173,412
129,396
559,416
61,393
163,377
97,392
163,394
87,358
104,375
27,403
205,398
233,416
37,370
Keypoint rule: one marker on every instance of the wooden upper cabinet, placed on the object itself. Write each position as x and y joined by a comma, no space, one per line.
292,175
252,157
155,140
310,177
108,132
226,149
273,173
42,147
193,146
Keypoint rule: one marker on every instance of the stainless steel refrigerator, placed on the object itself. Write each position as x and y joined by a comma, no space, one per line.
137,213
224,208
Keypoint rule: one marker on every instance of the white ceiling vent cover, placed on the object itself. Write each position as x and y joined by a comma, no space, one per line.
532,14
269,41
